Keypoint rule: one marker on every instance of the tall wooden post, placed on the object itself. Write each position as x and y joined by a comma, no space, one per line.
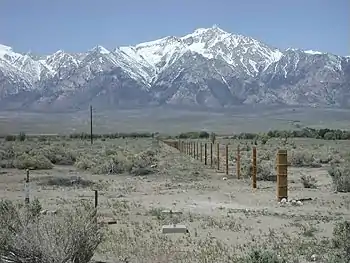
211,154
254,170
218,155
238,163
282,175
201,152
91,137
205,153
226,153
197,150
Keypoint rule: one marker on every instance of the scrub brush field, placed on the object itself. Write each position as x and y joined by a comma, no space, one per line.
138,180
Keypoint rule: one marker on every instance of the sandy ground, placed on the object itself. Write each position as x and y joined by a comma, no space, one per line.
229,209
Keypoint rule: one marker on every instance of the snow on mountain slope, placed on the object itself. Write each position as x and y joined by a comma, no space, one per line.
244,54
208,67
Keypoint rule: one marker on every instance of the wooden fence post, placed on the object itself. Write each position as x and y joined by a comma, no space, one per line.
96,198
254,170
201,152
197,150
238,163
194,150
211,154
282,175
26,189
226,149
205,153
218,155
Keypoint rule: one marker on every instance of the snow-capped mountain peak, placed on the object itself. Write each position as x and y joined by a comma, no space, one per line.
100,49
208,66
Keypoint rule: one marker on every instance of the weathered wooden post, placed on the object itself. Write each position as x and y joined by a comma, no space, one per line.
282,175
226,150
254,169
211,154
205,153
197,150
201,152
194,150
26,189
218,155
190,153
96,198
238,163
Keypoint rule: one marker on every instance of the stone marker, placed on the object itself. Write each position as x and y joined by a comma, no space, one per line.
174,229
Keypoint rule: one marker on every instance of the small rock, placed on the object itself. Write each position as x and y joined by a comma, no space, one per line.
43,212
299,203
314,257
224,178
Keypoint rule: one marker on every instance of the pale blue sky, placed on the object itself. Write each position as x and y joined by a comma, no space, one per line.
44,26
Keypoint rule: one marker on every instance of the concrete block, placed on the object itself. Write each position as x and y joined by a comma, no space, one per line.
174,229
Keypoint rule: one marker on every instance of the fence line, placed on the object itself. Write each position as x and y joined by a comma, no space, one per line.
195,150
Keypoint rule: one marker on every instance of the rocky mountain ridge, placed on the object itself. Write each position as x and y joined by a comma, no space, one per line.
207,68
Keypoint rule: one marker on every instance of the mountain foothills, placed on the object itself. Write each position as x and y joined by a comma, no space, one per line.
207,68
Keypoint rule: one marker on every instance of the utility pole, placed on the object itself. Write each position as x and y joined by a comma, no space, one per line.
92,140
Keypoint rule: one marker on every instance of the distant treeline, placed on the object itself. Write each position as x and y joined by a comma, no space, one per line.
325,134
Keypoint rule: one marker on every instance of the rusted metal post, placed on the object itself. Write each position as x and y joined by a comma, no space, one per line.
282,175
205,153
254,170
238,163
226,153
218,155
211,154
26,188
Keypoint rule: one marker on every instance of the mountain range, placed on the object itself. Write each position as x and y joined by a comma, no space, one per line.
208,68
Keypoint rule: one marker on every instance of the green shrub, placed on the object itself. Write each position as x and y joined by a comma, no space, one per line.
10,138
21,136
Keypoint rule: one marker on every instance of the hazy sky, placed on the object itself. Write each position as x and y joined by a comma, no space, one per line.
44,26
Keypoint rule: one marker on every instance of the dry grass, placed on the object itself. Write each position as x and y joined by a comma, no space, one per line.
138,179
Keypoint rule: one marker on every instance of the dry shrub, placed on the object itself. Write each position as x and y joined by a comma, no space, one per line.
341,177
341,237
302,159
57,154
26,161
118,162
63,181
142,242
265,170
258,255
308,181
26,236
